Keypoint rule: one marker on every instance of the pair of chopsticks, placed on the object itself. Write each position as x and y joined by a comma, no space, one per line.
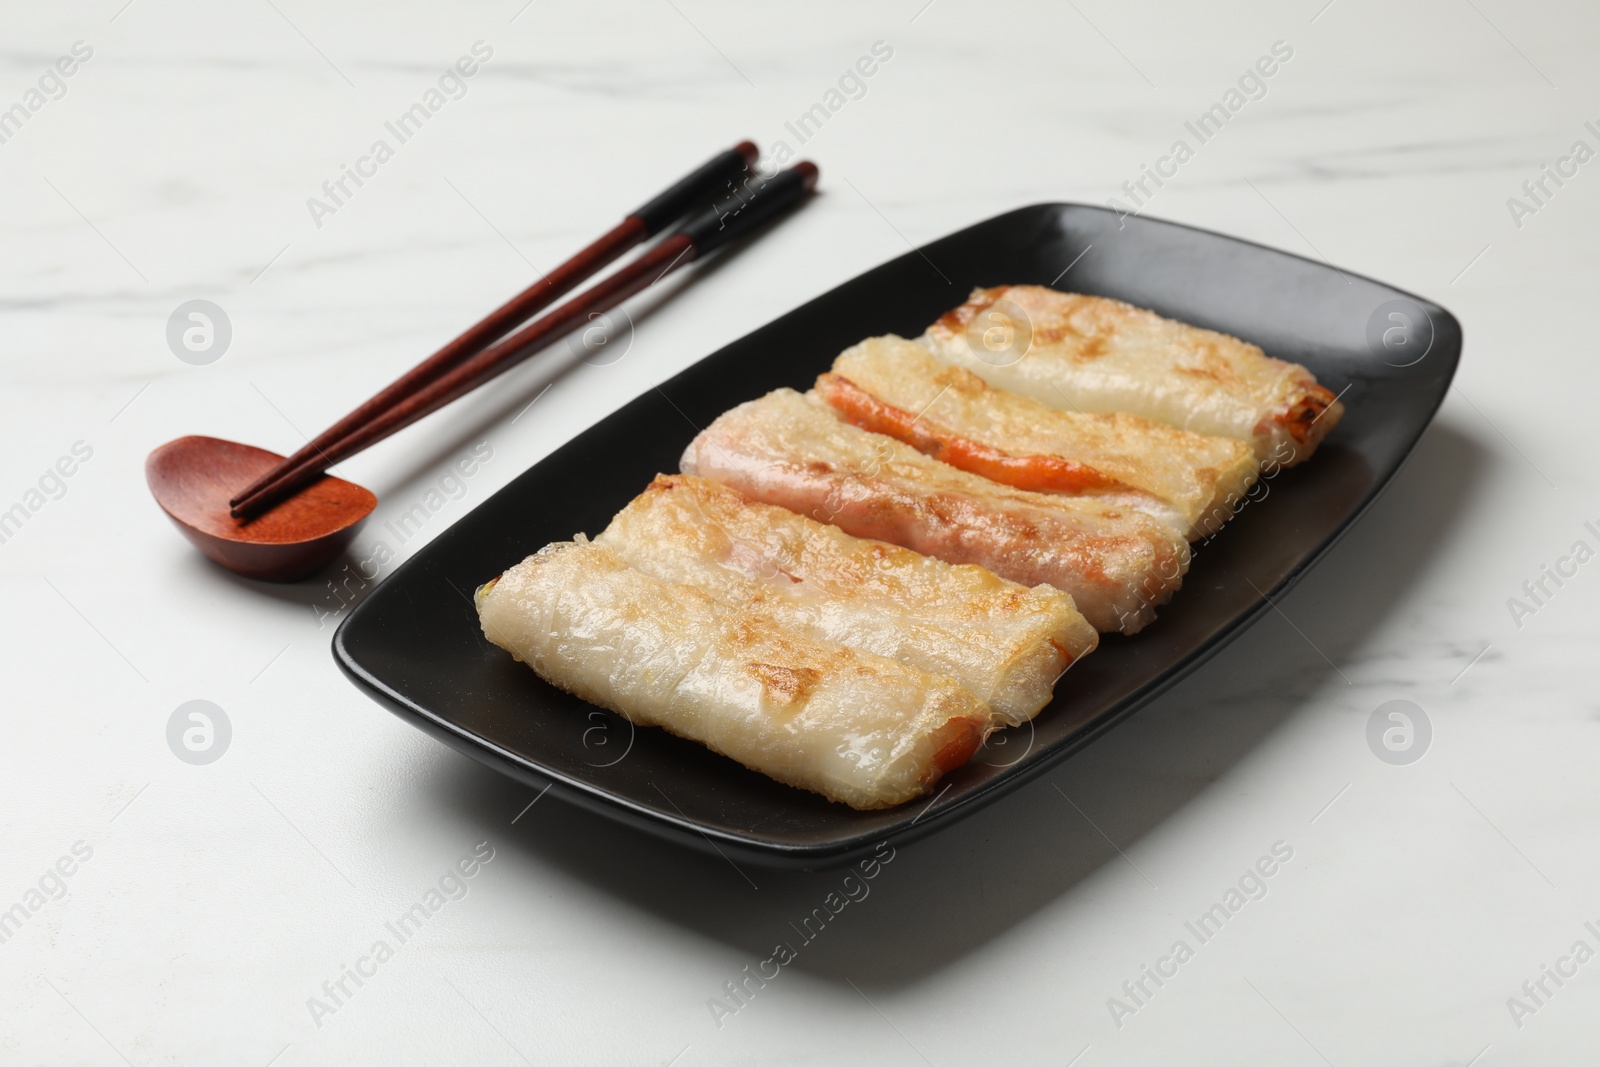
485,351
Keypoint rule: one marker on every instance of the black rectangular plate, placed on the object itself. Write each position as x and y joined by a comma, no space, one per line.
415,645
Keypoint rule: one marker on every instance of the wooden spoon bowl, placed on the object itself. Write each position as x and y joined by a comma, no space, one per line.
192,479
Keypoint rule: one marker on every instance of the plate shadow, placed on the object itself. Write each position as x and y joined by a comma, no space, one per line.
945,896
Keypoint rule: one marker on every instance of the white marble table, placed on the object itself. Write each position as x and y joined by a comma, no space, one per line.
212,910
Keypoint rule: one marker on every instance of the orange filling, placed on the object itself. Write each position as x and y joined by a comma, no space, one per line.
1036,472
962,738
1300,416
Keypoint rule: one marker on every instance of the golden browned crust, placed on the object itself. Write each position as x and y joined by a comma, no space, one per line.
858,728
1117,563
1004,642
1094,354
897,387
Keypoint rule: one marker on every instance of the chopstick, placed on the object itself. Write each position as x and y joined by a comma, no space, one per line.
701,186
761,201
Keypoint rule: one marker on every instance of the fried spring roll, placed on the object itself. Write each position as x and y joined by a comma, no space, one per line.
1005,643
897,387
1091,354
858,728
790,450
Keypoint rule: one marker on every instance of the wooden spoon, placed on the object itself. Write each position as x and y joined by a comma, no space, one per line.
192,479
301,518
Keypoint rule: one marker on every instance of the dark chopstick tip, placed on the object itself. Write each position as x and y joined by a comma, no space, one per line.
749,151
808,173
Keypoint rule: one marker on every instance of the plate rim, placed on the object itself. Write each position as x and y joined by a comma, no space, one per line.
683,830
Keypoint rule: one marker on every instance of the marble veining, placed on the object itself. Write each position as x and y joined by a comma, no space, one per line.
222,907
